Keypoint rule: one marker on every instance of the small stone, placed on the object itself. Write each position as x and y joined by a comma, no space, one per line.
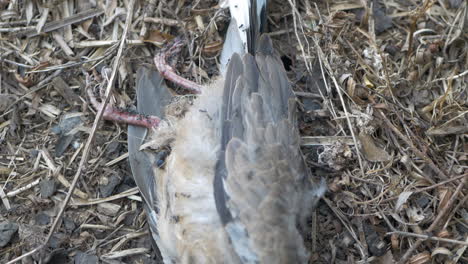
391,49
423,201
42,219
311,105
57,240
107,186
47,188
83,258
377,246
7,230
69,224
109,209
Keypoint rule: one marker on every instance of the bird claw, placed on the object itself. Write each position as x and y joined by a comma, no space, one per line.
160,60
111,113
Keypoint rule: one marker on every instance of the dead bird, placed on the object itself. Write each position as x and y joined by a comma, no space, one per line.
224,180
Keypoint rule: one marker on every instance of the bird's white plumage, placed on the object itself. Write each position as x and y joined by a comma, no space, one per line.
239,10
232,44
267,186
236,36
189,227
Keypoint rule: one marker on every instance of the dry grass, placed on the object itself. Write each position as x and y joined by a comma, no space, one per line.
384,118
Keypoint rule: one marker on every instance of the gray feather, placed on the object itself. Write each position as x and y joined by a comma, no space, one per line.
265,184
152,96
232,45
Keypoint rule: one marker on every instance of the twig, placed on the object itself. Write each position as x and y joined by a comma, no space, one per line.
426,237
308,95
435,223
87,148
324,62
37,249
124,239
326,140
99,115
125,253
63,44
34,89
455,210
121,195
347,225
51,26
22,189
17,23
453,77
105,43
16,29
149,11
4,198
164,21
296,16
428,188
413,147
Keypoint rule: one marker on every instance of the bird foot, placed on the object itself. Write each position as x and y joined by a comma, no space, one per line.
160,60
111,113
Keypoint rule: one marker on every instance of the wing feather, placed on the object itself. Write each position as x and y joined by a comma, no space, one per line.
152,97
262,178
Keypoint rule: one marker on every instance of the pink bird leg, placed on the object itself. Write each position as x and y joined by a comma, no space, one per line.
168,72
117,115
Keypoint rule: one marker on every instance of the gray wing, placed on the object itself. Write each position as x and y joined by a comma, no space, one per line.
233,48
152,97
261,181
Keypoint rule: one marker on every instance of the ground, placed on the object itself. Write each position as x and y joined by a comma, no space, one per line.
382,87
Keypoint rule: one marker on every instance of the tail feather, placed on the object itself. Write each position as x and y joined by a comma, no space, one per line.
248,22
